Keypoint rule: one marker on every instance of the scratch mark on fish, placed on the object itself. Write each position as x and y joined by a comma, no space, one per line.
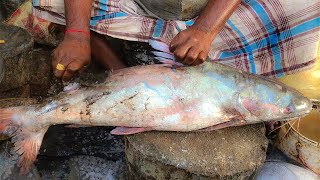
50,107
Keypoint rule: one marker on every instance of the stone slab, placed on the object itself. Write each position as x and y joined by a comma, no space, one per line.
235,152
16,54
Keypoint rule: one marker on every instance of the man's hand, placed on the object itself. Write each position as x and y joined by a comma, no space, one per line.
73,53
191,46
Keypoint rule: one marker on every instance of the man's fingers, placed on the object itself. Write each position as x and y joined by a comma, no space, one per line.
191,57
174,43
58,66
181,52
201,58
71,69
83,69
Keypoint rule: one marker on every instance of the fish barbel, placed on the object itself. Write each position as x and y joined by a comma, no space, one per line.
157,97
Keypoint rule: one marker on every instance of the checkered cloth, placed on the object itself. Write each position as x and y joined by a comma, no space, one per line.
268,37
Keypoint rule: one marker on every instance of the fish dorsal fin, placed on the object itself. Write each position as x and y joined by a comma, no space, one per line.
163,53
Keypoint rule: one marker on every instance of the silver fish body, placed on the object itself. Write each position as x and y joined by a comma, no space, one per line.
182,99
155,97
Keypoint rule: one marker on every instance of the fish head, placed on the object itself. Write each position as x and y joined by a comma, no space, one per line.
273,101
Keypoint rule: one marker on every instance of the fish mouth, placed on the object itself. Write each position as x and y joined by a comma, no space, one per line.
299,107
297,110
302,106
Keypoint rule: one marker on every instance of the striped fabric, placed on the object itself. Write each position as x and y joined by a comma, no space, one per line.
268,37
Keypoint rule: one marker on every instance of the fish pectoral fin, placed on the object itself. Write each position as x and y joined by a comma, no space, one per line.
216,127
26,142
232,122
129,130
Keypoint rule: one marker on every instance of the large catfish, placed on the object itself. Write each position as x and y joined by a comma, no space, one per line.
157,97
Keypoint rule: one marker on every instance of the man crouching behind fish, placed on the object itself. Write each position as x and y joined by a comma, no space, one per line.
206,97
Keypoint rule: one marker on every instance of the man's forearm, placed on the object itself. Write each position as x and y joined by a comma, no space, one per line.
216,14
78,14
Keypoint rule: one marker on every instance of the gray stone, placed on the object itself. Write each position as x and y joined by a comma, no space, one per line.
8,165
88,167
8,7
230,153
137,53
16,53
94,141
40,72
81,167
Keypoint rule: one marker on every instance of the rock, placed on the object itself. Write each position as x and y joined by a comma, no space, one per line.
40,72
94,141
87,167
8,167
81,167
81,153
27,71
137,53
8,7
230,153
16,54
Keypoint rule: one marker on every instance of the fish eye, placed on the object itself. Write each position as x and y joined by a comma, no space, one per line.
288,110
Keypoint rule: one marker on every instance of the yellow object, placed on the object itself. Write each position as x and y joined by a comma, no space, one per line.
60,67
300,139
2,41
307,82
309,125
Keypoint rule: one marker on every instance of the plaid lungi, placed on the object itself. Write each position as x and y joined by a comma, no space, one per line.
268,37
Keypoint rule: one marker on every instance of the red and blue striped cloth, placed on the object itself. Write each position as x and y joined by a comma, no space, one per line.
268,37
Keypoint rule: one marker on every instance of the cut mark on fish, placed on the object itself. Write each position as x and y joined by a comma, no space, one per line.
146,104
94,98
131,97
50,107
64,109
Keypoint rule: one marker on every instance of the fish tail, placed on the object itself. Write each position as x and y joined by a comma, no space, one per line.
6,125
26,142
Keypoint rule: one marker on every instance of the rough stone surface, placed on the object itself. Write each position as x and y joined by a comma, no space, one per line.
94,141
138,53
8,167
8,7
32,81
16,53
230,153
40,72
81,167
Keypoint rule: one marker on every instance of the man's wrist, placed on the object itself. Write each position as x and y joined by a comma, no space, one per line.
206,28
80,37
85,32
